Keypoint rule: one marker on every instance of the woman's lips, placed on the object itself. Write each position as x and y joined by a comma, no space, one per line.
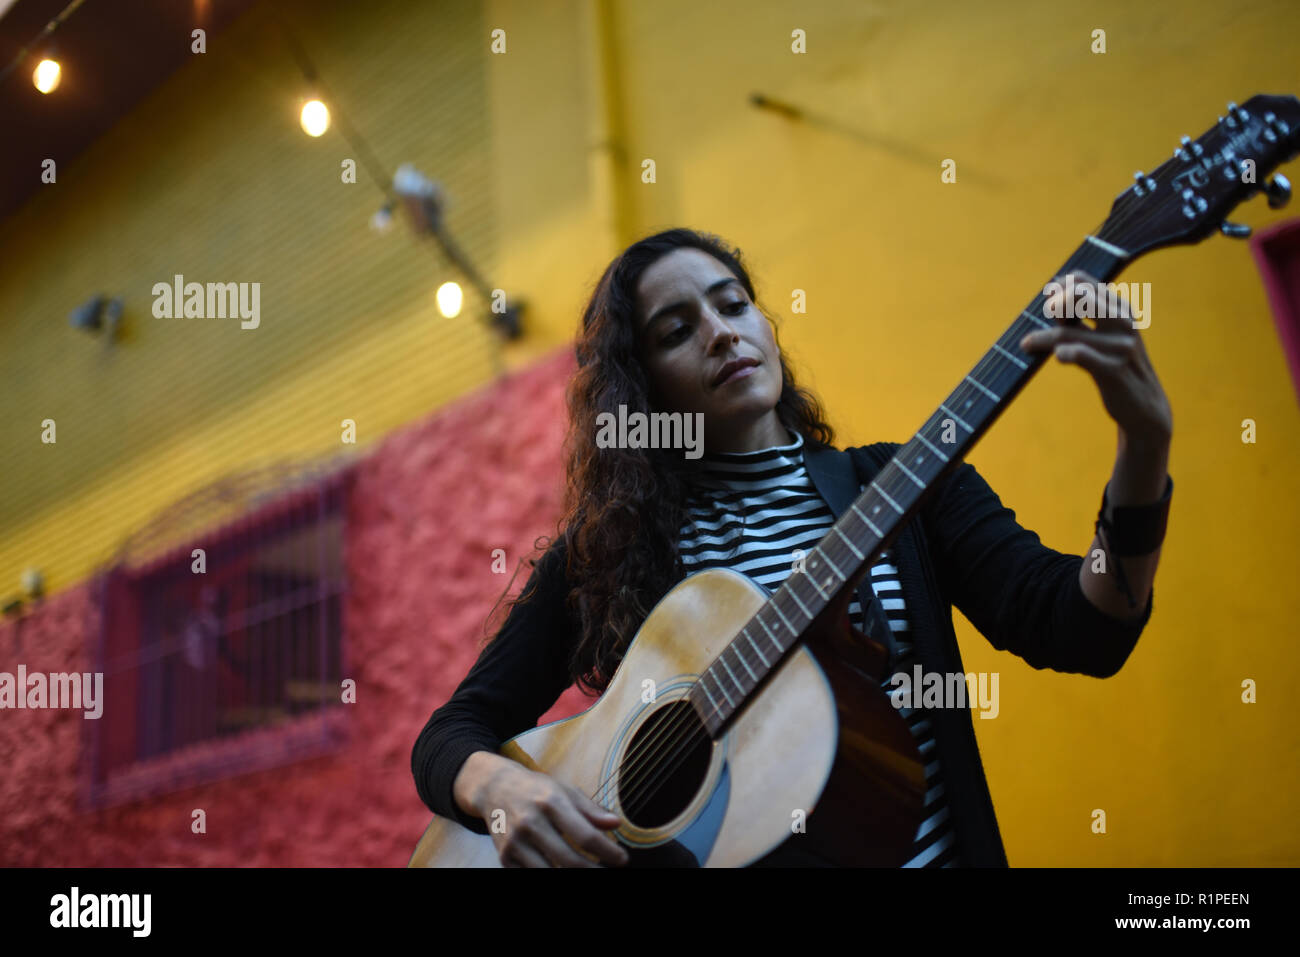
738,374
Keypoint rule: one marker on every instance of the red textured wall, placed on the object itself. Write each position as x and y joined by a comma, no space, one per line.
426,510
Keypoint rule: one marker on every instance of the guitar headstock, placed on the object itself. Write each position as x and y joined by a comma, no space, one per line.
1191,195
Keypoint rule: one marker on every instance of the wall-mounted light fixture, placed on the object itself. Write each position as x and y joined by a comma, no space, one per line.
96,313
425,202
33,583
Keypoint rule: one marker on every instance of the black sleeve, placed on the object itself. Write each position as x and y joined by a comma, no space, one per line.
1023,596
517,677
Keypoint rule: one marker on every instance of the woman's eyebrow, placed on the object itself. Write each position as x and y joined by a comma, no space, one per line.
673,307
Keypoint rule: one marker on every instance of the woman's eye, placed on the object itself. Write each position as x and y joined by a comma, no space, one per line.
677,334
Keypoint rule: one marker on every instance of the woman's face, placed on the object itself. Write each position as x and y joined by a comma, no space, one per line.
694,317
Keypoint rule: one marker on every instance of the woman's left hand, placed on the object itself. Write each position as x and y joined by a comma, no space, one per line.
1113,353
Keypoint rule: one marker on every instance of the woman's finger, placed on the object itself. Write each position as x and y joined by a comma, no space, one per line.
559,852
576,828
1082,354
1112,343
522,855
1110,309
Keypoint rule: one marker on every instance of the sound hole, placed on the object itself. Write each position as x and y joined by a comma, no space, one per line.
664,766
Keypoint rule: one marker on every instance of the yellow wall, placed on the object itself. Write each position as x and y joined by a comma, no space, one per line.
908,281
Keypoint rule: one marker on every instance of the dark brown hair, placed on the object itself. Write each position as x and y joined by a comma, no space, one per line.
624,507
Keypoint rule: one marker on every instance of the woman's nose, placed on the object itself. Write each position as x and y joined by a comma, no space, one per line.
720,331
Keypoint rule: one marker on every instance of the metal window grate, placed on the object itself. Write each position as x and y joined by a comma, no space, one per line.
233,667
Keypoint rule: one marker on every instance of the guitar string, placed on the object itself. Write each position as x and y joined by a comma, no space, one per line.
639,791
692,729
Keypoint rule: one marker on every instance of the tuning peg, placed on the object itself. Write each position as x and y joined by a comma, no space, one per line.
1142,181
1279,191
1231,163
1234,230
1185,144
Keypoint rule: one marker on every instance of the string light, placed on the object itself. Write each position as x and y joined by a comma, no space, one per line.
315,118
37,42
46,76
449,298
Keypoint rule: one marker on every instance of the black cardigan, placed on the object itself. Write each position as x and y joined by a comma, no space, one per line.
963,548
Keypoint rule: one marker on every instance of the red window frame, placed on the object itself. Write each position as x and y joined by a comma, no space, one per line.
148,741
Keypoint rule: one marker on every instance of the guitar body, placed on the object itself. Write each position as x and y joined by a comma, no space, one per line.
819,767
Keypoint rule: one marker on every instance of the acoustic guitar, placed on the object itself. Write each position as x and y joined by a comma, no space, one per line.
768,723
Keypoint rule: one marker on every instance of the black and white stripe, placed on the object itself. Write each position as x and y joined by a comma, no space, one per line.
750,512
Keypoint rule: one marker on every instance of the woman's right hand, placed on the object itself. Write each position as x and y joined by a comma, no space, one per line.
544,819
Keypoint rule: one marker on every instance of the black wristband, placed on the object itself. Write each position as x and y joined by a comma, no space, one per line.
1135,529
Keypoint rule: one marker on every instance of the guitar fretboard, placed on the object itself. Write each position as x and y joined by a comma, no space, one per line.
874,519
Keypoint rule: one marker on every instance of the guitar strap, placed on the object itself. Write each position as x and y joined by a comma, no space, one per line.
833,474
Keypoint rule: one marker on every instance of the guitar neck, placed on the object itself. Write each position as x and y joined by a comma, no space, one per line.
880,512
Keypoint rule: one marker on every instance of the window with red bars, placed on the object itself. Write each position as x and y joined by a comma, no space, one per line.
224,654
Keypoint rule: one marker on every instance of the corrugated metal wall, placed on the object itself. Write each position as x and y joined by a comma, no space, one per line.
212,178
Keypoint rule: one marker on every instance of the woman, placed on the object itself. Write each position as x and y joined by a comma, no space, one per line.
673,326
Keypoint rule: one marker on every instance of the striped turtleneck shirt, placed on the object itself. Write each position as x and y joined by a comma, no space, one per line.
753,512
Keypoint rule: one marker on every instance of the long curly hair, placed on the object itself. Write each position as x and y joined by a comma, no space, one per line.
624,508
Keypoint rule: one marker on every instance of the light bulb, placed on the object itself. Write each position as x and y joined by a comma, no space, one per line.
315,118
46,76
450,297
